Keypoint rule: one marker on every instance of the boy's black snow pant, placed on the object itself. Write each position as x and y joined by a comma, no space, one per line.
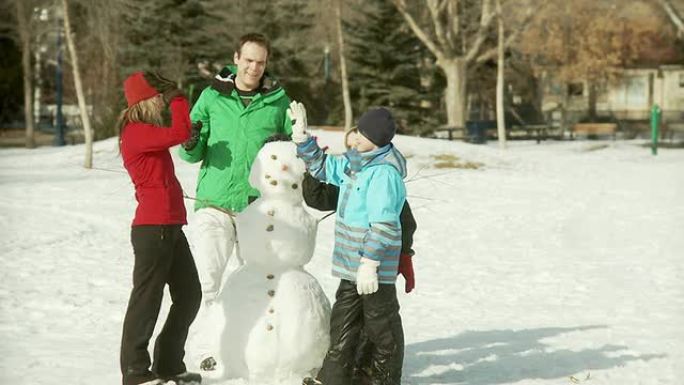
162,256
378,315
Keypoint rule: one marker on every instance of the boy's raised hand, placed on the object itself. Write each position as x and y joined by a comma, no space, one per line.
297,114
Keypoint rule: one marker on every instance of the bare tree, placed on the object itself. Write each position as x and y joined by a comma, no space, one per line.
346,99
85,118
456,33
24,21
500,111
674,15
587,42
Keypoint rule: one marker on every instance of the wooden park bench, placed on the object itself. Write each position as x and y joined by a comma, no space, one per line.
594,129
452,131
670,128
537,132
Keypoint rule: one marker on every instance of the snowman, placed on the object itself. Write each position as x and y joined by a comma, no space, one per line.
277,316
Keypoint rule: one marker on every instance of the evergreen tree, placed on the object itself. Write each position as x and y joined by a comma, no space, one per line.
387,67
296,55
171,36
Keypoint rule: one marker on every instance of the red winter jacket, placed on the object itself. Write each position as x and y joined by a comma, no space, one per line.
145,152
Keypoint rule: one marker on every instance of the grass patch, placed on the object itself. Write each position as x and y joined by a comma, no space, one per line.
453,161
595,147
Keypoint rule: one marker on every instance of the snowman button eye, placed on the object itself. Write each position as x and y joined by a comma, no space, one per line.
294,186
274,157
270,276
274,182
269,228
268,176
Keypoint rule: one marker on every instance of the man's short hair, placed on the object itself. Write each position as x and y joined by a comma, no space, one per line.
255,38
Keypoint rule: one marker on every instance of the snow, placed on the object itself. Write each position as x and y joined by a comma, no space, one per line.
550,264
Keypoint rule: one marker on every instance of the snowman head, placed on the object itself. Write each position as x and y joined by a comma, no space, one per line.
277,172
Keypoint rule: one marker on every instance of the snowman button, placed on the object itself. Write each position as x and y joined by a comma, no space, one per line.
269,327
271,293
270,276
269,228
271,213
274,182
271,310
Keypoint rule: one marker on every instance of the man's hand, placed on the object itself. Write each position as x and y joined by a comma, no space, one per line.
194,136
297,114
406,269
367,276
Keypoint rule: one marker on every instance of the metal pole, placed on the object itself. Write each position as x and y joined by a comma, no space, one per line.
59,132
655,127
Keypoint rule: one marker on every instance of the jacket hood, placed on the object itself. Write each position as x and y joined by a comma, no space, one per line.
224,82
384,155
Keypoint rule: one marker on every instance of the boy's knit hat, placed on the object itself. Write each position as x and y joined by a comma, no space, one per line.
378,126
137,88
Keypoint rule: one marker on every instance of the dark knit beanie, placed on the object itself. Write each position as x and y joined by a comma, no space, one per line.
378,126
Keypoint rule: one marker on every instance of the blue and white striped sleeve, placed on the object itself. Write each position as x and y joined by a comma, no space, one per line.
386,196
319,164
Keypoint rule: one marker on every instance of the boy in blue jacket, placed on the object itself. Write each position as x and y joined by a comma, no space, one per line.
367,245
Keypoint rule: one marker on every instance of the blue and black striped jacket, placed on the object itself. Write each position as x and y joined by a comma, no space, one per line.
372,194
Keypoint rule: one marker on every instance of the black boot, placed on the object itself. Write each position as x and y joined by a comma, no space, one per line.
311,381
360,376
187,378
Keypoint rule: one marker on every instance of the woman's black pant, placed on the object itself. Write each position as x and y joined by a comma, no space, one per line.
377,315
162,256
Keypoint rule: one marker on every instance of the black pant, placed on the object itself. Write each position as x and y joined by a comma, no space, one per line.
378,315
162,256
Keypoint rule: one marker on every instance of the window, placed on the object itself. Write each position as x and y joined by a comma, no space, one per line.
576,89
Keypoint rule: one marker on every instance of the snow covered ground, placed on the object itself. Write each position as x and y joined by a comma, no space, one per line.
556,263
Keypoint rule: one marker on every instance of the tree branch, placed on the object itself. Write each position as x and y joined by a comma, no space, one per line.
529,14
435,10
454,21
674,17
422,35
485,21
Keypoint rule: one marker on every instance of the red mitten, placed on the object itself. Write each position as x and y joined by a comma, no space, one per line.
406,269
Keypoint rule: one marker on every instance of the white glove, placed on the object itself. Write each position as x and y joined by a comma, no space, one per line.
367,276
297,114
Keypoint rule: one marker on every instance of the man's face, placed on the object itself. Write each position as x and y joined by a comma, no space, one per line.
251,64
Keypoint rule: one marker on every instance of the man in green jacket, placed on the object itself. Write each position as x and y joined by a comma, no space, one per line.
242,107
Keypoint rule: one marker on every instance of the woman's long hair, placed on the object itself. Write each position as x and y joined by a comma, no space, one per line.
145,111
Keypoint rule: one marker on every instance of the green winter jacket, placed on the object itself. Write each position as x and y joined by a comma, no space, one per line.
230,138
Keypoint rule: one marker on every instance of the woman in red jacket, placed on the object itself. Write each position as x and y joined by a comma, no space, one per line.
162,254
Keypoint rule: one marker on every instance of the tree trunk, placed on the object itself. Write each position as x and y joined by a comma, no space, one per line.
565,105
592,100
346,99
500,112
85,119
23,22
455,93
